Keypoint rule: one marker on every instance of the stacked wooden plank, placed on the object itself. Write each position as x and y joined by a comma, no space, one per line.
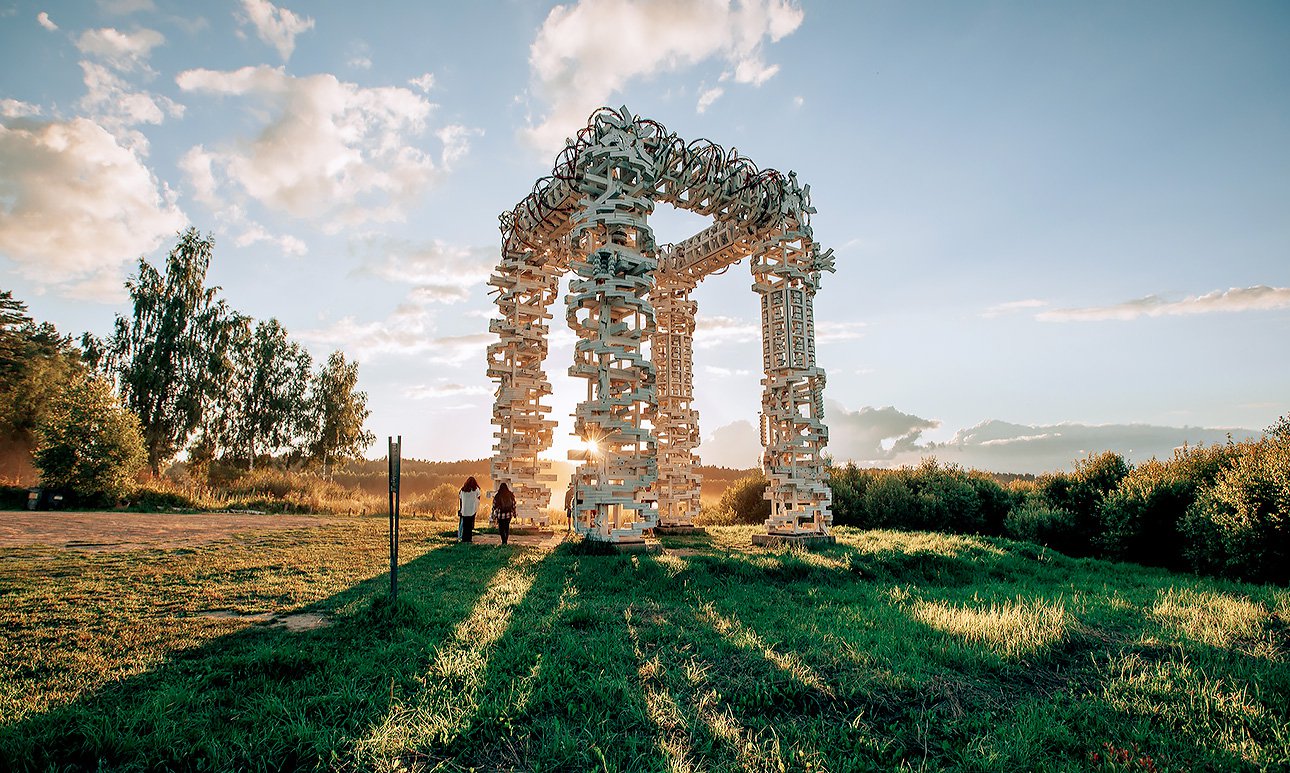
629,295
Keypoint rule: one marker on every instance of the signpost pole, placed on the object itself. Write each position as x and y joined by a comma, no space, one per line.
394,460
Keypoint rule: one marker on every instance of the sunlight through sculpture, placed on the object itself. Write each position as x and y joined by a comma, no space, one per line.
630,307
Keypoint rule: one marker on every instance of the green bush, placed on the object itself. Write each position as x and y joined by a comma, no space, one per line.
889,502
1081,493
946,500
1239,525
994,502
89,444
745,500
1141,518
1034,521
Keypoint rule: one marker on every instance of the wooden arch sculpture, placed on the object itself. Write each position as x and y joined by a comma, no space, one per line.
630,307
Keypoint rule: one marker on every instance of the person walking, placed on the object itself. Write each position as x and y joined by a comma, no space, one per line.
467,508
503,511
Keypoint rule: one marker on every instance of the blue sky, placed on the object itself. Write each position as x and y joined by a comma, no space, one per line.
1059,227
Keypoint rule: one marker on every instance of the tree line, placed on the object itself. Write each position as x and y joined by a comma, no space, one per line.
184,372
1222,510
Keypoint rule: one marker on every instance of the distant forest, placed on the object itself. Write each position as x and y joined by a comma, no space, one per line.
419,478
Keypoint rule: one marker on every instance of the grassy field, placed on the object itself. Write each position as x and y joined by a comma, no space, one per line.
888,651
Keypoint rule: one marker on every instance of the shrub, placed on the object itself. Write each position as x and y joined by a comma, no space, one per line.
1034,521
994,502
88,443
946,500
849,485
1141,518
1080,494
1239,525
888,502
745,500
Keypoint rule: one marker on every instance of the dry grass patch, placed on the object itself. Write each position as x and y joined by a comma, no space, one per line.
1011,629
1210,617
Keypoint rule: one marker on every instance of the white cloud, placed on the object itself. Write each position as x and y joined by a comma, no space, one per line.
872,434
115,107
409,330
736,445
439,272
720,372
444,388
255,233
1257,298
716,330
707,98
124,51
327,149
827,332
581,56
423,83
360,63
75,203
43,20
456,142
275,26
1010,307
1005,447
13,108
798,101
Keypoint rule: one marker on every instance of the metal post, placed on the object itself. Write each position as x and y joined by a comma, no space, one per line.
394,462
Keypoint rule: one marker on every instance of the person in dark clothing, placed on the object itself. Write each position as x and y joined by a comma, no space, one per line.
503,511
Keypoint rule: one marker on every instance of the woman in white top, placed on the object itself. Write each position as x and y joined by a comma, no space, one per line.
469,497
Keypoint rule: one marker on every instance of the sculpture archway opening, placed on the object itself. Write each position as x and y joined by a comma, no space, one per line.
630,306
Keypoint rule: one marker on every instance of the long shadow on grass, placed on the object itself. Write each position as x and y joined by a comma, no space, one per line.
266,697
920,695
560,689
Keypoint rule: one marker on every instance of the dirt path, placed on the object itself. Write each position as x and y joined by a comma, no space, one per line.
131,531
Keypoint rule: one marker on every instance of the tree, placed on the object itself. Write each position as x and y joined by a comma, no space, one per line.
36,363
89,443
339,411
266,403
172,356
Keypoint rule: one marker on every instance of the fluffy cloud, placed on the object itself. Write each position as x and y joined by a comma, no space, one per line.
13,108
587,51
43,20
887,437
1257,298
75,204
423,82
409,330
1004,447
275,26
113,102
327,149
736,445
439,272
443,388
716,330
255,233
1012,307
872,434
116,107
125,51
707,98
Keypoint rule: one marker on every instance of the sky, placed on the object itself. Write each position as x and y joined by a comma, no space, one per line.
1060,228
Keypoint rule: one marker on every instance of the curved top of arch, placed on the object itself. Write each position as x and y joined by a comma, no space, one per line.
700,176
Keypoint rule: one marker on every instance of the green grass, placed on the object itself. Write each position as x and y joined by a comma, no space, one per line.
888,651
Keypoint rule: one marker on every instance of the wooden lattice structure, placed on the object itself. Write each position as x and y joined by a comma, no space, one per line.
631,309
